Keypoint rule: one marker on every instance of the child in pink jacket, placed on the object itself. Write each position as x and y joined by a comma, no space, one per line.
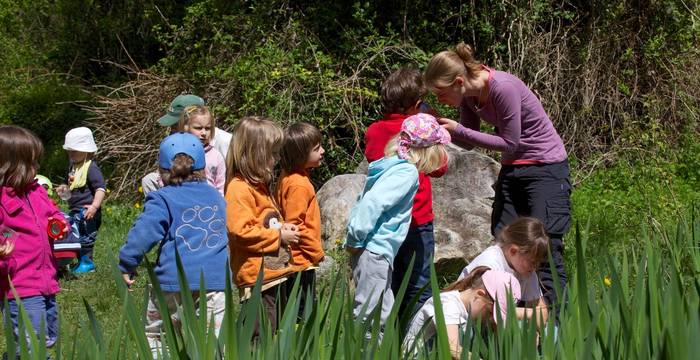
26,214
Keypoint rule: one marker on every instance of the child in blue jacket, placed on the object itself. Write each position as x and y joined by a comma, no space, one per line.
187,215
380,219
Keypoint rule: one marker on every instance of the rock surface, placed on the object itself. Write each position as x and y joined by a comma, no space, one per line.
461,203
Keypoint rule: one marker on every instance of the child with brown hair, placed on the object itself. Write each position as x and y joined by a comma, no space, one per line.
198,121
478,296
185,217
257,234
401,96
301,152
27,262
520,248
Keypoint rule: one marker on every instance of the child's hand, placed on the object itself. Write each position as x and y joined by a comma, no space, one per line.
6,248
353,250
289,234
90,211
128,280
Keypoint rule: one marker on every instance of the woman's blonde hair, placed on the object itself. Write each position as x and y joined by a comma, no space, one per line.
195,110
427,159
254,150
445,66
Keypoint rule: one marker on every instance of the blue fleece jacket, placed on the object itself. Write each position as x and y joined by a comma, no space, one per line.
190,217
380,219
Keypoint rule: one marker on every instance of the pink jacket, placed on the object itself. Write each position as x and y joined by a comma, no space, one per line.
215,169
31,266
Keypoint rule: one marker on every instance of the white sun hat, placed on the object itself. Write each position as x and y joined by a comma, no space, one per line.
80,139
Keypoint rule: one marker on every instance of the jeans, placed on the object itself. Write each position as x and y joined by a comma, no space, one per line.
421,242
87,229
39,308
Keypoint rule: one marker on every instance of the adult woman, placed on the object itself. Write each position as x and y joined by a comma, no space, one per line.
534,177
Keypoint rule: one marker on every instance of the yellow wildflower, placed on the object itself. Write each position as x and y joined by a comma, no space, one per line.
137,205
140,189
607,281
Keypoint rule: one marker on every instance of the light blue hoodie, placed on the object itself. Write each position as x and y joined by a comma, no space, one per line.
380,219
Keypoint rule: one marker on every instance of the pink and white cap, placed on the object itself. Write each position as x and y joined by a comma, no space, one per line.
420,130
498,284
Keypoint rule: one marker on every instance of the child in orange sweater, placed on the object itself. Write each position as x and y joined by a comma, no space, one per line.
257,234
301,152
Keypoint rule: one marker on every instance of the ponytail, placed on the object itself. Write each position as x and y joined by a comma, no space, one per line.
445,66
471,281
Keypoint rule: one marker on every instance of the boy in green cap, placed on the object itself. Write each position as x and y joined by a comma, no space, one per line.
220,142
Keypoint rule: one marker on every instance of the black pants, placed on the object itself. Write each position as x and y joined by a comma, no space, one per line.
542,191
307,290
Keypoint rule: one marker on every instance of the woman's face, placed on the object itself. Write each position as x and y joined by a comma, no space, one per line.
451,95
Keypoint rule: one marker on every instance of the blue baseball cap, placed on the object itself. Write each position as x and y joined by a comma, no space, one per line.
181,143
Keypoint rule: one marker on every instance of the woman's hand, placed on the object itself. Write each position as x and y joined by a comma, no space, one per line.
448,124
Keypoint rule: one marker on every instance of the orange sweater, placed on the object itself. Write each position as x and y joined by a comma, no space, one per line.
297,198
253,222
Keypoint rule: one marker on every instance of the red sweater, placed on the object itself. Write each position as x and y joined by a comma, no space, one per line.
377,136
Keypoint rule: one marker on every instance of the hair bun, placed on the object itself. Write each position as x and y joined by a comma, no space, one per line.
465,52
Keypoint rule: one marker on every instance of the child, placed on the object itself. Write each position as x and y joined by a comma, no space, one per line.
198,121
474,296
26,250
520,248
401,95
257,234
380,220
186,216
301,152
87,189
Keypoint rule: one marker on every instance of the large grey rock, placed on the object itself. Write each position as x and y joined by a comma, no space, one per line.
335,198
461,202
462,205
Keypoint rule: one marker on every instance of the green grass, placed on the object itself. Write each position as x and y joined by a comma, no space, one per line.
647,307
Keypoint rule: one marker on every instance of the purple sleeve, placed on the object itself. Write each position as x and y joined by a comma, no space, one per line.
507,102
95,177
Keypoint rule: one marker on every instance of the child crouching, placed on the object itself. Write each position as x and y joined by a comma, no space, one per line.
186,216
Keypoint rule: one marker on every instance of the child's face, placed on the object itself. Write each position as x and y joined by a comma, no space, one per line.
315,156
521,262
200,126
481,306
77,157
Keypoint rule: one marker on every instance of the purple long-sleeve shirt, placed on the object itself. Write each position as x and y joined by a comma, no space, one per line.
524,132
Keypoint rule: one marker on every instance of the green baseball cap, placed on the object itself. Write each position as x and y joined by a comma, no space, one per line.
177,106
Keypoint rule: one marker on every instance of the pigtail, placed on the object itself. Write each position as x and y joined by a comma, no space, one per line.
471,281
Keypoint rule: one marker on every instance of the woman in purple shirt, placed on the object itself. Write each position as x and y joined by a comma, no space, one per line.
534,177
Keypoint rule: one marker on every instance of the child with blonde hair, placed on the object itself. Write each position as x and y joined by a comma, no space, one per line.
519,250
380,219
257,234
198,121
26,248
87,191
301,152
